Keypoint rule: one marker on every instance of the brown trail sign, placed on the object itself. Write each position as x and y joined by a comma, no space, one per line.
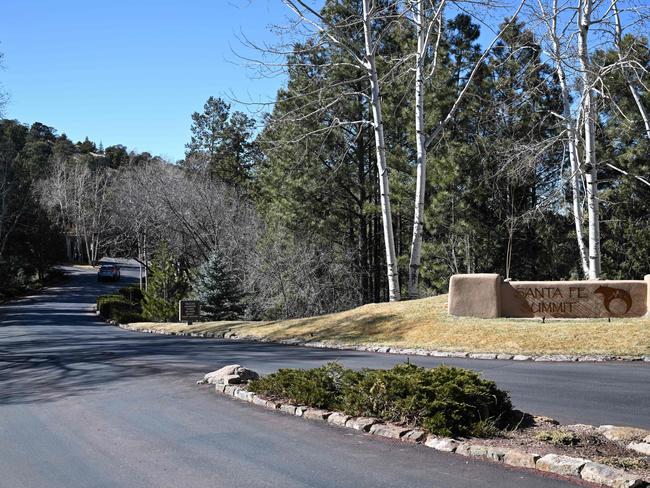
189,310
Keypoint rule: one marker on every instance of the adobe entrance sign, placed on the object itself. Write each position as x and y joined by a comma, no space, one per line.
488,296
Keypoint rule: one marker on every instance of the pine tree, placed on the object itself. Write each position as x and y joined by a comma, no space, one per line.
218,290
167,285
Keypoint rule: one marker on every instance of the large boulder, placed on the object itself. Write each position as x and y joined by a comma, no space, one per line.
622,434
231,374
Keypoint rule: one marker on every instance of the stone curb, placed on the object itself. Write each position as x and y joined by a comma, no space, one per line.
594,358
572,468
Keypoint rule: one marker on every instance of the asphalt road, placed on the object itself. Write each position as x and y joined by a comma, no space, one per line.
83,404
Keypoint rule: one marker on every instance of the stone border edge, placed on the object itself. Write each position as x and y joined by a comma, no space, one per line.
592,358
565,466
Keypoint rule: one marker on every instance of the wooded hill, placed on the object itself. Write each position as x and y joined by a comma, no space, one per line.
399,148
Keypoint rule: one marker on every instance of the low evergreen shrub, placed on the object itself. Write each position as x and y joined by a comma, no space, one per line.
132,293
116,307
444,400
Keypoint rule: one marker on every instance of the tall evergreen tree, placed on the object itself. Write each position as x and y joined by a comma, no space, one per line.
218,289
222,143
167,284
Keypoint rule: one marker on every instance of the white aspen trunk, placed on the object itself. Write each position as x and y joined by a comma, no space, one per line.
589,110
421,169
641,107
574,159
618,41
384,188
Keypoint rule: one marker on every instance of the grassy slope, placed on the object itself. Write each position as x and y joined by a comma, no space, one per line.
425,324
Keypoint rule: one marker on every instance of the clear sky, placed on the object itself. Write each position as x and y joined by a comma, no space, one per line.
129,72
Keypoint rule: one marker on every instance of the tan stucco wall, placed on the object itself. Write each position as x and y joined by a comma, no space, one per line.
475,295
488,296
574,299
647,282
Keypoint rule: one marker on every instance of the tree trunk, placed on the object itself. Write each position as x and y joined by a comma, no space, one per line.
589,110
384,188
363,220
574,159
421,175
618,42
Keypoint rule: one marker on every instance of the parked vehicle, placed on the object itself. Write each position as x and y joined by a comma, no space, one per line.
108,273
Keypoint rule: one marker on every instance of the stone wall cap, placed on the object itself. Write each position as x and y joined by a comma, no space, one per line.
478,275
577,282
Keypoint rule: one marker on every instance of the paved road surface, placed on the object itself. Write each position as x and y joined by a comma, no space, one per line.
83,404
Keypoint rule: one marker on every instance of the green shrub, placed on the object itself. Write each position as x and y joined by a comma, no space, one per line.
116,307
443,401
105,303
558,437
317,387
132,293
127,316
167,285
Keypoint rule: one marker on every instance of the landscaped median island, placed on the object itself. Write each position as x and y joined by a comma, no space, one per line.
447,409
425,325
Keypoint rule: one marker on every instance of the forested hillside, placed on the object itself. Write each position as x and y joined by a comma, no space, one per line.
398,152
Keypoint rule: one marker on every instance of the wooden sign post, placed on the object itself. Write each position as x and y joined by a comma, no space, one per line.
189,310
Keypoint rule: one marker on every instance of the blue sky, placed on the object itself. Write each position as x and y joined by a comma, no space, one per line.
129,72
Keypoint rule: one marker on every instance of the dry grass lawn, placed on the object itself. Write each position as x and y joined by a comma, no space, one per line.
425,324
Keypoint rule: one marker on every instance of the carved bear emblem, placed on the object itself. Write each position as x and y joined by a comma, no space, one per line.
610,294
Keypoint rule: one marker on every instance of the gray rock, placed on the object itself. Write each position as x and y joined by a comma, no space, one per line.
258,400
647,439
247,396
457,354
388,430
288,408
408,352
316,414
231,379
338,419
556,358
482,356
439,354
559,464
580,428
541,419
383,349
441,443
472,450
496,453
521,357
640,447
608,476
219,387
230,375
300,409
520,459
622,434
593,358
361,423
505,356
415,435
263,402
231,390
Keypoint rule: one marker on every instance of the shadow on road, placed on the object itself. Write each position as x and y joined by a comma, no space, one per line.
52,345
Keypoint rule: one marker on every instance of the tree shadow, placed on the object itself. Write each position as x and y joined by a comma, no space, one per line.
53,345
